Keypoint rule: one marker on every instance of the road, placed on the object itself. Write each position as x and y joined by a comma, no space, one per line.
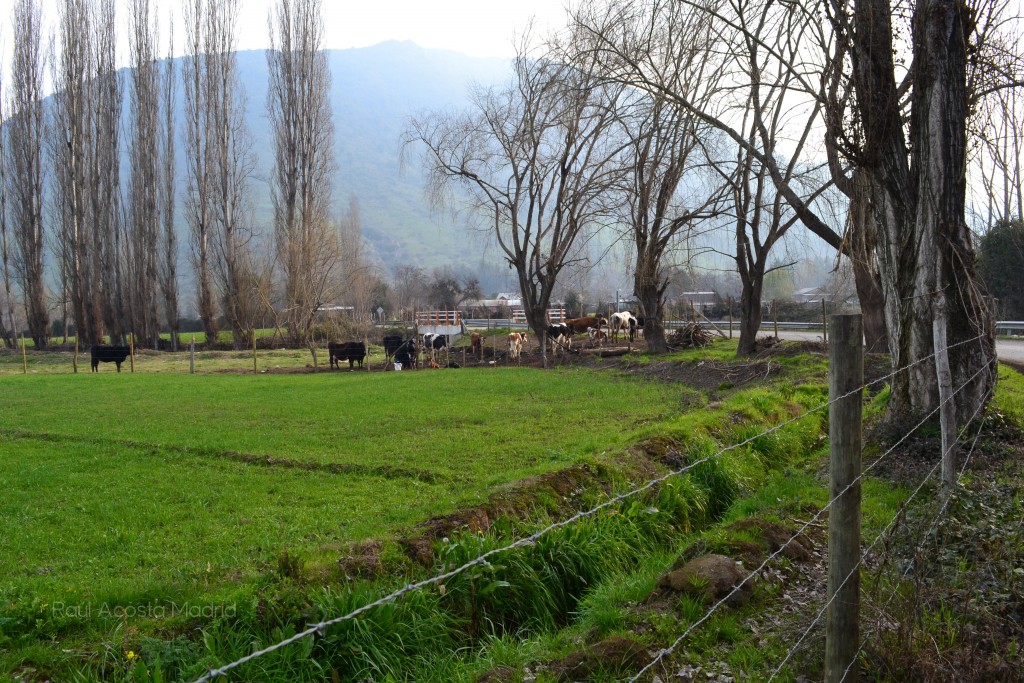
1006,349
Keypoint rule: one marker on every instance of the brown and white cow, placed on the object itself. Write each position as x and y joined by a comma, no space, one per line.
515,345
597,335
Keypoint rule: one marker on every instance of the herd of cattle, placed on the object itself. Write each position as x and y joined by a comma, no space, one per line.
405,350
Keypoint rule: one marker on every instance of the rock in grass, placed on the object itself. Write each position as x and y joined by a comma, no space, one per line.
710,578
501,674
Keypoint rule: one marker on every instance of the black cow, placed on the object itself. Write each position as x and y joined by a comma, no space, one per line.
109,354
560,335
400,350
392,342
350,351
407,354
636,327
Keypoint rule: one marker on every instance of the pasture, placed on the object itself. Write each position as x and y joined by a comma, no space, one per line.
128,488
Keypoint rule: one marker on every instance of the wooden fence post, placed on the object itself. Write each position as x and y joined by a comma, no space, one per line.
74,360
775,317
131,350
730,317
254,368
192,356
846,376
947,408
24,356
824,320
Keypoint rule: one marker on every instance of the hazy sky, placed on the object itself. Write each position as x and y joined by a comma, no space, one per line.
482,28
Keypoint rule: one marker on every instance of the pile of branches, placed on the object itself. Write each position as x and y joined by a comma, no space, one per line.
692,335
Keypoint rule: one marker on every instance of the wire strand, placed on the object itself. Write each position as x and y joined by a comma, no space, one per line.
670,649
924,538
882,534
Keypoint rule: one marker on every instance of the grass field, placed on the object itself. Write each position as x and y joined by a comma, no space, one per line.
122,486
125,491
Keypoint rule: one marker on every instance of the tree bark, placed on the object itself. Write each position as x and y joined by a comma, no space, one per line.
862,242
918,201
750,309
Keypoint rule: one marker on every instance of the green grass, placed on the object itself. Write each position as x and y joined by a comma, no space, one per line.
1009,396
162,489
452,423
131,484
127,525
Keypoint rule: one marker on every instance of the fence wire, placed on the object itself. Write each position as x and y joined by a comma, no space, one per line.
321,627
882,535
707,615
935,521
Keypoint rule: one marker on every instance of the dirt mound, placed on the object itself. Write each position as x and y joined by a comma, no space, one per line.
616,655
710,578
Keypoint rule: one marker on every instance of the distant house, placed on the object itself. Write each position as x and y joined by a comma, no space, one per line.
334,311
698,300
809,295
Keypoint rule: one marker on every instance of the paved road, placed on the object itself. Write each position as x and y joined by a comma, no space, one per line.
1006,349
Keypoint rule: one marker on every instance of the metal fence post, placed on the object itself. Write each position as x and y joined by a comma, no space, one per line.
846,375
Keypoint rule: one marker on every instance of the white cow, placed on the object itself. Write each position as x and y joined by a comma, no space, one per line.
620,322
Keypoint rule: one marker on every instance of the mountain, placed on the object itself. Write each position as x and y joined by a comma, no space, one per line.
374,92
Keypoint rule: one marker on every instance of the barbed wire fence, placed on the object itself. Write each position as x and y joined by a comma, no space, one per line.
320,628
793,538
884,535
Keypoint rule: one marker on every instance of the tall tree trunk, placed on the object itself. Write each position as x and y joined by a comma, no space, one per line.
863,239
650,291
169,242
918,201
750,308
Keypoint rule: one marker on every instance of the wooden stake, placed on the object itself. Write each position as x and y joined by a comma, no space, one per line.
730,317
192,356
775,316
824,320
74,359
24,356
255,369
131,351
846,374
947,408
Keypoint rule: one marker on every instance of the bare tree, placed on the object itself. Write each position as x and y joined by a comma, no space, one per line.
409,285
665,194
538,161
354,275
916,177
70,143
198,152
916,185
168,266
85,151
298,102
142,245
7,333
105,181
25,135
999,159
220,162
738,81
